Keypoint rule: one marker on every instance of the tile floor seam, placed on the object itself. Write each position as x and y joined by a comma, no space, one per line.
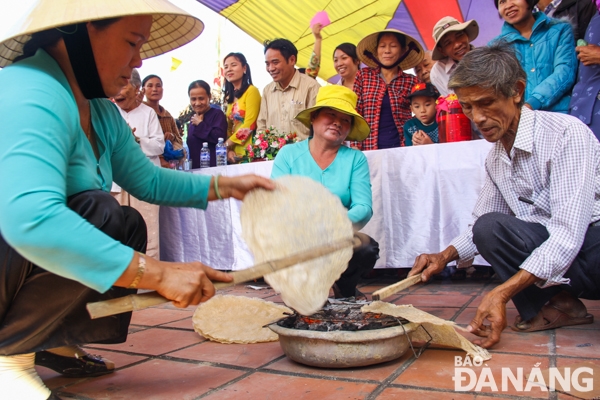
226,384
205,363
321,377
552,359
433,389
391,378
144,354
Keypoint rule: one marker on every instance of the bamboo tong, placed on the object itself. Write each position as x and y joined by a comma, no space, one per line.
395,288
135,302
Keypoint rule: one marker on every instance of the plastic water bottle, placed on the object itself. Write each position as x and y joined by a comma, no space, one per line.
186,158
205,156
221,152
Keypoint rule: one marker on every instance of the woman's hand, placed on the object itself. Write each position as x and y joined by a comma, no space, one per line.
316,30
588,55
183,283
238,186
196,119
189,283
232,157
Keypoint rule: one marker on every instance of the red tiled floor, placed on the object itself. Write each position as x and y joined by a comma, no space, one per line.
447,290
183,324
377,372
435,369
420,300
594,326
577,343
475,303
243,355
54,379
401,394
167,331
261,386
592,304
469,313
155,341
441,312
151,316
155,379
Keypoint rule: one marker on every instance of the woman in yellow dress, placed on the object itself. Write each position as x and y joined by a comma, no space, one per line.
243,105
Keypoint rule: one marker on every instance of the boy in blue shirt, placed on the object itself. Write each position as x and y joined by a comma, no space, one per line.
422,128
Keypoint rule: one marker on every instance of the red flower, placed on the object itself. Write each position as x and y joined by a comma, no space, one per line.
251,153
264,145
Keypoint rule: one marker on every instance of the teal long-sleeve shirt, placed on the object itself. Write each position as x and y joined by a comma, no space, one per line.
347,176
45,157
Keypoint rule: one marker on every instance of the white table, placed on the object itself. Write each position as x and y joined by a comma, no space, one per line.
423,197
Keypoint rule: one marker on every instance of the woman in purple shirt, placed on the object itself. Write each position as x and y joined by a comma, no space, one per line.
207,124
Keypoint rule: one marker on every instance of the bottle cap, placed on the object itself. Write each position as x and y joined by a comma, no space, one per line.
205,144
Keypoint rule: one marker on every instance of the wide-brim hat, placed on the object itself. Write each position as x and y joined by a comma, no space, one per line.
341,99
451,24
369,43
172,27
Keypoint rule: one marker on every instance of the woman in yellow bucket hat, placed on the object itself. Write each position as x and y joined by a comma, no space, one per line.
344,171
64,240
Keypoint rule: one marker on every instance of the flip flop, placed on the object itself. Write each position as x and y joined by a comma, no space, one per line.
552,318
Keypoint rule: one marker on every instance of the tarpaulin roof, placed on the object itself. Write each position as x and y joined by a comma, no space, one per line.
351,20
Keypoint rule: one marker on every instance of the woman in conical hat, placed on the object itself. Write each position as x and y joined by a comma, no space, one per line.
64,240
383,87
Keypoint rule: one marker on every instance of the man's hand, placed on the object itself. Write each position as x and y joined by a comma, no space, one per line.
493,309
588,55
432,264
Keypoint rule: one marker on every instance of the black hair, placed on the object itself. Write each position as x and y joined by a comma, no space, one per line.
349,49
50,37
228,89
530,3
199,84
146,79
285,47
401,38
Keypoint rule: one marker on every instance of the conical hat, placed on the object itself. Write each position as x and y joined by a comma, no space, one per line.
172,27
369,44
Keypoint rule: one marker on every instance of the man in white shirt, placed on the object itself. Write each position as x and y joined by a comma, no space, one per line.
536,220
452,42
288,94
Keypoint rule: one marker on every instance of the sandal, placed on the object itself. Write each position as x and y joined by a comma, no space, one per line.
550,317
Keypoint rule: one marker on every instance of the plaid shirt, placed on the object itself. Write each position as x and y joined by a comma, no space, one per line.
370,88
554,163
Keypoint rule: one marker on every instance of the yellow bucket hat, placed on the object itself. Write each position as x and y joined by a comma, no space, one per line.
341,99
172,27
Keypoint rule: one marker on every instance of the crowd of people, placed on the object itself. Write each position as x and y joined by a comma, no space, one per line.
79,223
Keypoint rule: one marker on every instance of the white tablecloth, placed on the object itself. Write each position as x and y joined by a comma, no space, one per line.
423,197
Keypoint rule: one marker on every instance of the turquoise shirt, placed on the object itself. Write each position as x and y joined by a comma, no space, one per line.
347,176
45,157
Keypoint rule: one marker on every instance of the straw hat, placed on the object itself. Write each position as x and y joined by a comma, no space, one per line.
451,24
172,27
341,99
369,43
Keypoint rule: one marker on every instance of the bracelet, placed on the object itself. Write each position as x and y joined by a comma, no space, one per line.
216,180
140,272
